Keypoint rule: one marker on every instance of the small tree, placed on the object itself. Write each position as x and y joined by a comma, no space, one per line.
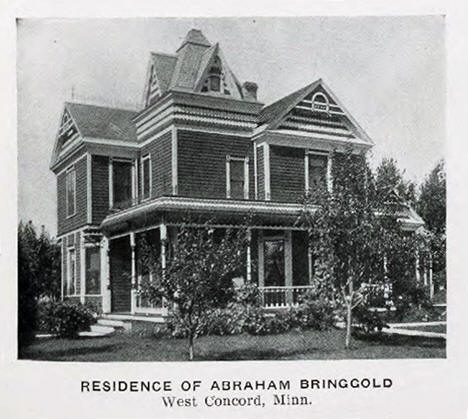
38,276
197,277
344,231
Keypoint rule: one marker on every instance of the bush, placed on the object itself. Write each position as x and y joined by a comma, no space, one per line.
413,305
318,309
64,319
367,321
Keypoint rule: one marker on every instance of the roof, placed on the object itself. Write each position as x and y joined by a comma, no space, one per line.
103,122
186,69
164,65
195,36
277,109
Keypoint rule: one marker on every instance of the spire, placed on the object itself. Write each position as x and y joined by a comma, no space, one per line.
195,36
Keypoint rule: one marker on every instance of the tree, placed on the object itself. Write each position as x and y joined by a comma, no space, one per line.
344,231
198,274
431,205
38,276
390,178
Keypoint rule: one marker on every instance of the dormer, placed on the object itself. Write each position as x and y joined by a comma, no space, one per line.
196,67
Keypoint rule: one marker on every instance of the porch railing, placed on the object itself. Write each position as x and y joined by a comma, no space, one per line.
277,297
144,305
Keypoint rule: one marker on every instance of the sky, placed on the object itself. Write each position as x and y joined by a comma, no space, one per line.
389,72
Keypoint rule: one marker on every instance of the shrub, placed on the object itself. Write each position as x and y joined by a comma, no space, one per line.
367,321
64,319
318,309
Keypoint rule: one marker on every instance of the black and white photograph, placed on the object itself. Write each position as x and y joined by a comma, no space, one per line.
213,201
234,216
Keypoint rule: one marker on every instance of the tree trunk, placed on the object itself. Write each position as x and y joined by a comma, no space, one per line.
349,317
191,347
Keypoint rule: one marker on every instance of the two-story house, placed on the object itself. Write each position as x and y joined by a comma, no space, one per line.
202,144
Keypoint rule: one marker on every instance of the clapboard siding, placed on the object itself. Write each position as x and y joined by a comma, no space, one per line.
100,188
260,173
287,174
161,165
202,162
78,220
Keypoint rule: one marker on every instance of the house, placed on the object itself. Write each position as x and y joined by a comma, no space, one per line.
202,144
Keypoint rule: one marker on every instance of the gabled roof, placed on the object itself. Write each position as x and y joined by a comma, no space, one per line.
195,36
187,69
274,112
272,115
103,122
164,65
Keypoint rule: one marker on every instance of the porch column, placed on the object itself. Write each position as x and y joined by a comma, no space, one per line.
82,269
249,256
261,266
309,262
417,267
163,241
163,238
133,273
105,276
431,282
385,266
288,271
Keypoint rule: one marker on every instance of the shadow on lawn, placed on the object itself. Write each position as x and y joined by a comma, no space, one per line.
66,353
250,354
401,340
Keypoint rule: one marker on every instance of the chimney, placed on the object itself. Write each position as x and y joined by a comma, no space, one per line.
249,91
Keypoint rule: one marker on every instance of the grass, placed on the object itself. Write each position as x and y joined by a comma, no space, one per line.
439,328
293,345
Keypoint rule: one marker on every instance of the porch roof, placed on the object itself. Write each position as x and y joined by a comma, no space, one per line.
230,211
222,211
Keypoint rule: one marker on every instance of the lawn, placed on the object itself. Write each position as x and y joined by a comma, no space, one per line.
289,346
439,328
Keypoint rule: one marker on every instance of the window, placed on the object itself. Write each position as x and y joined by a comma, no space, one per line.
93,270
146,176
237,169
71,273
70,191
316,171
274,262
320,102
121,183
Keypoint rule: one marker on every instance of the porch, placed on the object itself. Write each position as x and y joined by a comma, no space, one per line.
277,260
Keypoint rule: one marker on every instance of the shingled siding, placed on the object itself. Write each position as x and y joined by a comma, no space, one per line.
260,173
161,164
287,174
100,188
201,161
78,220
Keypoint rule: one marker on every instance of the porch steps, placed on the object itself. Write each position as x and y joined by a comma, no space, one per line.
113,324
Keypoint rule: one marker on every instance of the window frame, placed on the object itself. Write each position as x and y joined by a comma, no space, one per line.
71,170
326,103
71,249
150,177
86,248
133,184
245,160
321,153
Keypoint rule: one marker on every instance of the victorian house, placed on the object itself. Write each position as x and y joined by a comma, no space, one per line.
202,144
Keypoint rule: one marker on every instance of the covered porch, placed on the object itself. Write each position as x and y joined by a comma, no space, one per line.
277,260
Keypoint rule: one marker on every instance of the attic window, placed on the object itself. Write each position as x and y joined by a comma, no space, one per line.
67,128
320,103
215,81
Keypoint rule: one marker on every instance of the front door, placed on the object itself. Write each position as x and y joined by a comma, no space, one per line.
120,274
